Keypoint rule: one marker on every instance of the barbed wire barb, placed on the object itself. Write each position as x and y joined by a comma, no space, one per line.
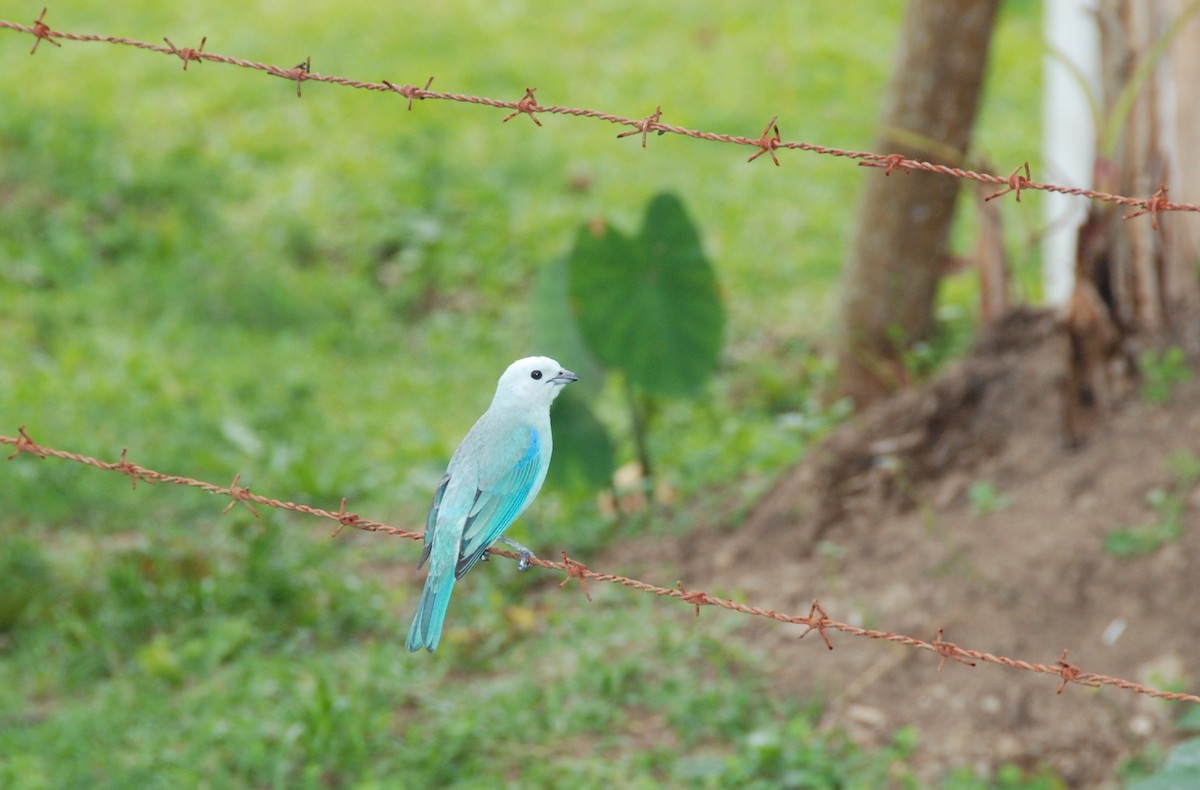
345,519
645,126
575,570
1071,674
767,143
889,163
1016,182
42,32
696,597
410,92
818,624
132,470
527,105
300,72
25,445
1154,205
239,494
187,54
948,650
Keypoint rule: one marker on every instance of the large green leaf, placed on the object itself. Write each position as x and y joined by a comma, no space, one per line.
1181,769
648,306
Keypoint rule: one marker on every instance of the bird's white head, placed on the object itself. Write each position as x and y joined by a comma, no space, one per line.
533,382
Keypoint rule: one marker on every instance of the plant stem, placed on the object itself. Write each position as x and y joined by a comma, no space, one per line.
637,420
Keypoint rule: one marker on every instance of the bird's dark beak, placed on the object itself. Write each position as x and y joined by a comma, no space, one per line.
565,377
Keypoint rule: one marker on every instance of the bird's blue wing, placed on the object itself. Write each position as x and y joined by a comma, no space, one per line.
497,506
431,519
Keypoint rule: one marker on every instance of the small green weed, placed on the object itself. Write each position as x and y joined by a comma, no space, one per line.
951,336
1161,372
984,498
1008,777
1163,527
1168,505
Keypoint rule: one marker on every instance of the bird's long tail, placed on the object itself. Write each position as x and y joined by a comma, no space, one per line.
426,629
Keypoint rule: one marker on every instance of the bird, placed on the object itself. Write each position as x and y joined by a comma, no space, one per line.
491,479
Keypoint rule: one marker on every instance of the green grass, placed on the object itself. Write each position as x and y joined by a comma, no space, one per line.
318,293
248,659
1168,505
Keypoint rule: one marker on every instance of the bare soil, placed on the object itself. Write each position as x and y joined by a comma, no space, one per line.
877,524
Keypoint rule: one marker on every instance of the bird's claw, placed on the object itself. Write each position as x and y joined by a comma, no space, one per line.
524,555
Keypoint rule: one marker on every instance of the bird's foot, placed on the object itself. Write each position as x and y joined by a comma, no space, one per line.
524,555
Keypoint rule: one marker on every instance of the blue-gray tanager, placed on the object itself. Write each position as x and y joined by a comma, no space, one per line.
492,477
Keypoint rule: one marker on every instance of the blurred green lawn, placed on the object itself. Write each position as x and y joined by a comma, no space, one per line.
318,294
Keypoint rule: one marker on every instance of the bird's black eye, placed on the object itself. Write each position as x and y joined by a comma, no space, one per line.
536,375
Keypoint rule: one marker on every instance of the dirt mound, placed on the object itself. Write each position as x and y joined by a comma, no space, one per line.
960,506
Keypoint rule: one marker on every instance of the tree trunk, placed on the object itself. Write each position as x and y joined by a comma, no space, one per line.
898,250
1135,279
1182,230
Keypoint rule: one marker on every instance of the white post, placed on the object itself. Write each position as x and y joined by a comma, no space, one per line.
1068,134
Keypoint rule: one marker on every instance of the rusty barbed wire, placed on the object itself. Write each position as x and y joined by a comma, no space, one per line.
769,142
234,491
816,619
